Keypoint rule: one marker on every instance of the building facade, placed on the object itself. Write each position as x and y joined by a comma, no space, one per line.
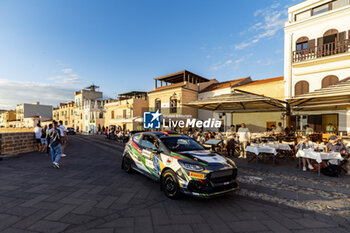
317,55
7,118
26,112
262,121
217,89
89,110
126,112
173,91
65,113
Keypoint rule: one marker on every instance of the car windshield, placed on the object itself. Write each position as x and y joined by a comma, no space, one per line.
178,143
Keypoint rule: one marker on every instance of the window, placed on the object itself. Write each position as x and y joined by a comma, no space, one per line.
112,114
302,46
66,123
339,3
136,138
320,9
86,116
101,115
71,112
302,43
301,87
181,143
124,113
62,113
173,105
329,80
303,15
157,104
149,142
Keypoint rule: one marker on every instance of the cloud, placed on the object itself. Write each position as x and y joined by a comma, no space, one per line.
16,92
67,77
271,21
230,63
67,70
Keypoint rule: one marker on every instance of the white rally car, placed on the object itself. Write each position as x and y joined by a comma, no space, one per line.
180,164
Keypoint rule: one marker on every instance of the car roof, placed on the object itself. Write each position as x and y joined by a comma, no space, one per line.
163,134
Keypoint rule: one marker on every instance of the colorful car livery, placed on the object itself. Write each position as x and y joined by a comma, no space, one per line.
180,164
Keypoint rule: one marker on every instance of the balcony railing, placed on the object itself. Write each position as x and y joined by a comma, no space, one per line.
324,50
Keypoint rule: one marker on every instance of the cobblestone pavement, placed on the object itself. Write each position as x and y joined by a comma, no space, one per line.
90,193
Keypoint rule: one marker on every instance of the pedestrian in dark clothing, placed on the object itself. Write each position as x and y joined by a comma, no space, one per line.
55,144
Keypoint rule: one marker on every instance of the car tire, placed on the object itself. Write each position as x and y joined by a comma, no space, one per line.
170,184
127,164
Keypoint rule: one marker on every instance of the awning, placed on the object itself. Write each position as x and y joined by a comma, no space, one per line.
335,97
239,101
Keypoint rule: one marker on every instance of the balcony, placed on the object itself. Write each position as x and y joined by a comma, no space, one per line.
320,51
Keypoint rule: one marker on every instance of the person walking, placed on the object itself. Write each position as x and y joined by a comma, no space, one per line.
244,137
55,144
43,139
63,135
231,143
38,132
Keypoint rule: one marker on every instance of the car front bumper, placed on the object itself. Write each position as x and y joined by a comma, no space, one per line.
212,191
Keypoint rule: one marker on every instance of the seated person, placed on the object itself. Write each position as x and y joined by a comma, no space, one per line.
334,145
305,144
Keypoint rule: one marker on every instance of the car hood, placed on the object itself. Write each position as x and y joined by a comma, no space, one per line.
205,156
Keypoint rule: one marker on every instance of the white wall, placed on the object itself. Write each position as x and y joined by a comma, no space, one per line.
313,28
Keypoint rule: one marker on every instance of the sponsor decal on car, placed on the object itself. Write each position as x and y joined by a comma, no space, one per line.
197,175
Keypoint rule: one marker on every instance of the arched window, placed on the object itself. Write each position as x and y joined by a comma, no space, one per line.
302,43
329,80
330,32
301,87
173,105
157,104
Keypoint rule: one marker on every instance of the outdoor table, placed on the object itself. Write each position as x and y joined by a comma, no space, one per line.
318,156
279,146
258,149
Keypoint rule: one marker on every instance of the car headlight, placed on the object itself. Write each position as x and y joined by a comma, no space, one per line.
231,161
191,166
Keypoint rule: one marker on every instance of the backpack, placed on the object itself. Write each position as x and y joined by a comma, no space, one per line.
331,170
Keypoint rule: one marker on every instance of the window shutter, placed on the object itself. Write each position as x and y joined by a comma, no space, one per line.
319,46
342,36
311,46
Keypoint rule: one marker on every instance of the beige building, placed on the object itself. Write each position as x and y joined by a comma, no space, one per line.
65,113
262,121
172,91
89,116
7,118
126,112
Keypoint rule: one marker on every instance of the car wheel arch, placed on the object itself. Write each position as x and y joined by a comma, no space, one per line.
161,176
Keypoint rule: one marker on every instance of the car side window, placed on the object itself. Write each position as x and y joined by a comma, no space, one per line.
136,138
149,142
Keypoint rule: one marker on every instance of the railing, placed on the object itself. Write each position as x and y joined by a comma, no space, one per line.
324,50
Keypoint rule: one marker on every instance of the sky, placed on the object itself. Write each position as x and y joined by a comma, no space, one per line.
49,49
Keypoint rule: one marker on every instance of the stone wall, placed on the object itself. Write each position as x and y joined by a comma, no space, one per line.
16,143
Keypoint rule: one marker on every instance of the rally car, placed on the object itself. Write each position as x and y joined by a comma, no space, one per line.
180,164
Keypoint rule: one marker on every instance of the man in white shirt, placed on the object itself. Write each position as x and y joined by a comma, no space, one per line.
279,128
63,134
38,132
309,130
244,137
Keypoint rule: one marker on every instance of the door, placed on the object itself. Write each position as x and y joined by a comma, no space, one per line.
150,149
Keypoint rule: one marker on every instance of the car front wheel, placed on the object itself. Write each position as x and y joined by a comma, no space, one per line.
127,164
170,184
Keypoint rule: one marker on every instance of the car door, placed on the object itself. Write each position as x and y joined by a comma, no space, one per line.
149,150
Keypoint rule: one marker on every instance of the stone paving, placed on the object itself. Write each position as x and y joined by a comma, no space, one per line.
90,193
